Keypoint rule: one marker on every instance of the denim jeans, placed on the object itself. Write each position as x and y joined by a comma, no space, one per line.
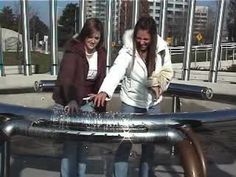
123,151
73,163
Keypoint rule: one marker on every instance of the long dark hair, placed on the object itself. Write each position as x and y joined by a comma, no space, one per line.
91,25
149,24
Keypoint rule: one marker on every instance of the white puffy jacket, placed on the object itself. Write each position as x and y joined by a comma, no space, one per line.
134,90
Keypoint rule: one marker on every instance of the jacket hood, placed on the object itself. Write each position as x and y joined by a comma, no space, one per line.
75,46
128,41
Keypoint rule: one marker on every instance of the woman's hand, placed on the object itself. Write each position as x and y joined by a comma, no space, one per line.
157,90
72,108
100,99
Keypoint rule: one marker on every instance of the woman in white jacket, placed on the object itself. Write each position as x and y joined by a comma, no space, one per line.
144,66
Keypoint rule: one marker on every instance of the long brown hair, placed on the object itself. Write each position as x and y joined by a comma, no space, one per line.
149,24
91,25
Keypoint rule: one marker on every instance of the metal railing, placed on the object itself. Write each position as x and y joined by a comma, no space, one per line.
203,53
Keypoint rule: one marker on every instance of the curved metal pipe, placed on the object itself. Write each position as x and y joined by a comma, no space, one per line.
166,134
25,128
209,119
196,144
189,159
183,90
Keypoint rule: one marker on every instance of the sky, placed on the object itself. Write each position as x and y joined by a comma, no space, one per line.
39,6
42,6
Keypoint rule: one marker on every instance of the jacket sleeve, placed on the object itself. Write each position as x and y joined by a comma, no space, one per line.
167,65
116,73
66,76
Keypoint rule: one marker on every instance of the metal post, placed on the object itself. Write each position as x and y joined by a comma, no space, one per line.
37,41
216,42
82,15
53,36
1,55
188,41
175,108
135,12
109,33
4,159
162,26
26,37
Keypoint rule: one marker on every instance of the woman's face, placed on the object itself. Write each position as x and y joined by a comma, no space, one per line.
92,41
143,40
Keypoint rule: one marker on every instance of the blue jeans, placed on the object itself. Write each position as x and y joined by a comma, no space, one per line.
123,151
73,163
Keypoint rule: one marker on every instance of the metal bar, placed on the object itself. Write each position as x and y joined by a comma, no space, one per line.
162,27
216,43
135,15
53,36
2,69
188,41
82,13
212,120
176,107
109,33
26,37
184,90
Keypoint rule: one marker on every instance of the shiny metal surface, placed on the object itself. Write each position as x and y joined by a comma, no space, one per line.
2,68
82,16
188,41
26,37
182,90
53,36
212,120
137,128
217,41
108,30
92,127
163,15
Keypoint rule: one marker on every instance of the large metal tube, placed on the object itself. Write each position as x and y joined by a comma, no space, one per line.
183,90
213,120
189,159
191,165
202,170
192,91
44,85
26,128
138,128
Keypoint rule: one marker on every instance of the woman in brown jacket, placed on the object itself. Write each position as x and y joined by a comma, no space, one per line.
81,73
